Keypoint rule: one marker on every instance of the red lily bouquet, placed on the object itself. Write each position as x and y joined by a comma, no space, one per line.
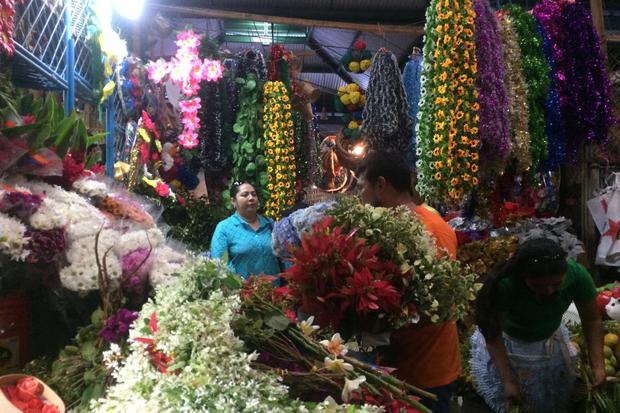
341,280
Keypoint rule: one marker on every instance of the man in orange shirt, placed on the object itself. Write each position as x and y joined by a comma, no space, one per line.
426,355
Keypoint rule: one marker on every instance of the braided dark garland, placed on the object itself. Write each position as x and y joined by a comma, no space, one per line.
251,61
301,135
212,151
387,124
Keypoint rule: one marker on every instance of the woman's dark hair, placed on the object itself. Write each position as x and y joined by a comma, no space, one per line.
236,186
534,258
390,165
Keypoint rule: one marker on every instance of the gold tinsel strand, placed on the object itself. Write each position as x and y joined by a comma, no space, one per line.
517,95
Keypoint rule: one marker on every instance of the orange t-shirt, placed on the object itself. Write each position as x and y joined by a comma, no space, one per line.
427,355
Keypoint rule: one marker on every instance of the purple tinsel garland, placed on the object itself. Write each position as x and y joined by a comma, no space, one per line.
492,96
549,14
588,111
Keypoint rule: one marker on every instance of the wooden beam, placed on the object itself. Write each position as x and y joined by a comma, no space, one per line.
613,38
415,30
596,7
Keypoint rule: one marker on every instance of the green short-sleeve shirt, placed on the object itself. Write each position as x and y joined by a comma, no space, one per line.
527,318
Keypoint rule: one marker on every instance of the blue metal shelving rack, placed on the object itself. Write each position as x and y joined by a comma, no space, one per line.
51,52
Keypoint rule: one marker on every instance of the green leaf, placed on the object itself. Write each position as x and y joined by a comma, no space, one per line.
89,351
38,140
97,316
250,168
277,322
96,139
232,282
92,159
250,84
240,80
64,129
260,161
263,179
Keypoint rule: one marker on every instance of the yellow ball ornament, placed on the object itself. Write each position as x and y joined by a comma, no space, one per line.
345,99
354,67
353,125
365,64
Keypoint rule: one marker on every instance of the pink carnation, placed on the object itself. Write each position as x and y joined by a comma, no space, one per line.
190,107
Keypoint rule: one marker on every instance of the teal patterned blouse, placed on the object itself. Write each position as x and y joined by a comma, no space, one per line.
249,251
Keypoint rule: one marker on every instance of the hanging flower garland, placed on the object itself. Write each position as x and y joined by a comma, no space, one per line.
351,100
279,149
588,111
412,76
494,124
357,58
536,74
7,24
386,113
554,125
518,114
448,120
187,70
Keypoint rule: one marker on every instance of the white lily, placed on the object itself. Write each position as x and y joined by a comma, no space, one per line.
337,365
329,405
335,346
350,386
306,326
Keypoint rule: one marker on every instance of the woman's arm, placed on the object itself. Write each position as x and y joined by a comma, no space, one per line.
593,330
219,244
499,356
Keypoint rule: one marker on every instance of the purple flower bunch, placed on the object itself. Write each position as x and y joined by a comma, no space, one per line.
45,246
20,204
117,326
136,267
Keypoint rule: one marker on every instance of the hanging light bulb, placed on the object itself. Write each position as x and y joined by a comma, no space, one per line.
129,10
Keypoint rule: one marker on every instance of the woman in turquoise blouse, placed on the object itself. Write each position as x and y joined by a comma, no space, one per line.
245,236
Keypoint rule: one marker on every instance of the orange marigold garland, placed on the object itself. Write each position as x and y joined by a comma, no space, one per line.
448,121
279,149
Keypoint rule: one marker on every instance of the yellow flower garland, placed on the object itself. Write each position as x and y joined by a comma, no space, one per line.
448,123
280,149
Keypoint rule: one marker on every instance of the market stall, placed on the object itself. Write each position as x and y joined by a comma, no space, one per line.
122,144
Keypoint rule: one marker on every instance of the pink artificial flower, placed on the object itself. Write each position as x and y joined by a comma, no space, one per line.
179,69
158,70
191,122
190,106
190,88
188,139
213,70
28,119
187,41
162,189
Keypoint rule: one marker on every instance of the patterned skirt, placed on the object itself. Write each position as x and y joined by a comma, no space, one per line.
545,370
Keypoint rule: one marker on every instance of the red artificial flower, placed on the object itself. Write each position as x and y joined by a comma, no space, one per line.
369,293
149,124
181,200
336,277
162,189
291,315
28,119
359,44
159,359
9,124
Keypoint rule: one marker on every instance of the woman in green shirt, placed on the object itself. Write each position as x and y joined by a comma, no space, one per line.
521,352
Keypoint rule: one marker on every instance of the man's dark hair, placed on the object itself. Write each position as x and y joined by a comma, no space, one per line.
390,165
